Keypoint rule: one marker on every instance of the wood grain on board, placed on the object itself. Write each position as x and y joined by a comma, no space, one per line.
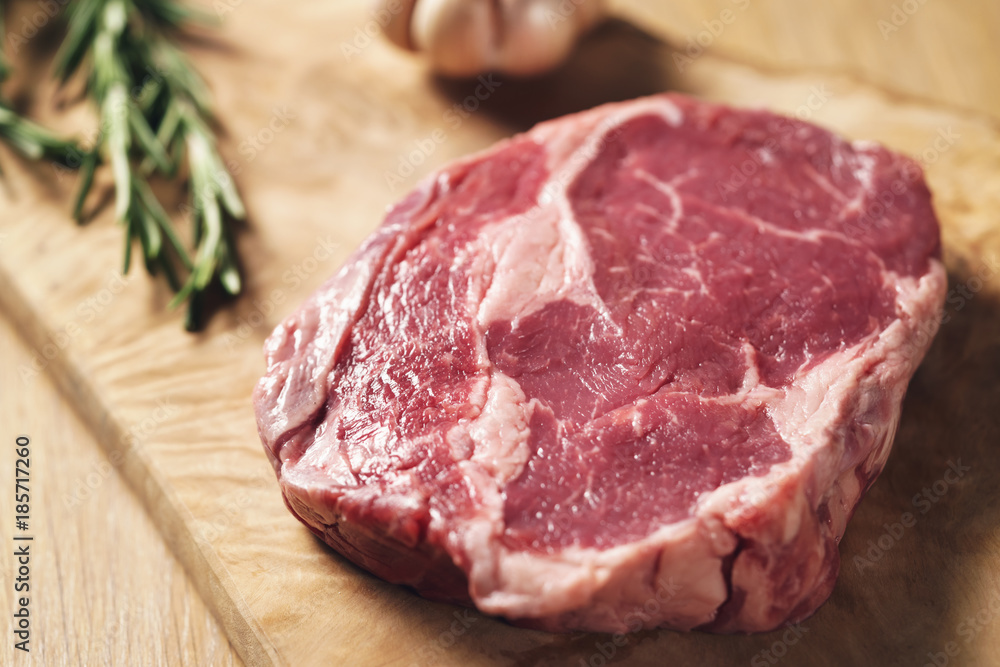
104,587
323,138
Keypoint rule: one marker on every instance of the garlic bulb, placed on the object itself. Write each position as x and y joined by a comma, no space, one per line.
469,37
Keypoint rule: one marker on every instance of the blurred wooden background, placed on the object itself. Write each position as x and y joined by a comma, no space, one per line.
947,51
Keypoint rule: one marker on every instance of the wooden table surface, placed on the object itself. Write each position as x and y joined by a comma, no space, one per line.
105,588
108,589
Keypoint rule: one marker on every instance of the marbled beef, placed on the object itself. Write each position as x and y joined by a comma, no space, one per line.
633,368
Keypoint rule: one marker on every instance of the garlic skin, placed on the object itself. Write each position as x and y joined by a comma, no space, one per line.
468,37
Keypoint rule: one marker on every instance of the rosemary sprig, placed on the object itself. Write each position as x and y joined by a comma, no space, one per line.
155,116
32,140
29,139
4,65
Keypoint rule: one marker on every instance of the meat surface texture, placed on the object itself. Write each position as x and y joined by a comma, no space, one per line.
633,368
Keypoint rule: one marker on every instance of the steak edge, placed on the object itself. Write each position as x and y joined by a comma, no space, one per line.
634,368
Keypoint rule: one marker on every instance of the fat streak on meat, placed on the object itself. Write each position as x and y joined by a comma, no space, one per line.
634,368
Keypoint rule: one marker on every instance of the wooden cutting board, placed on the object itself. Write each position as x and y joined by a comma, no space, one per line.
324,139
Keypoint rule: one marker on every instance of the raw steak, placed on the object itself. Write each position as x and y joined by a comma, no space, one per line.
633,368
